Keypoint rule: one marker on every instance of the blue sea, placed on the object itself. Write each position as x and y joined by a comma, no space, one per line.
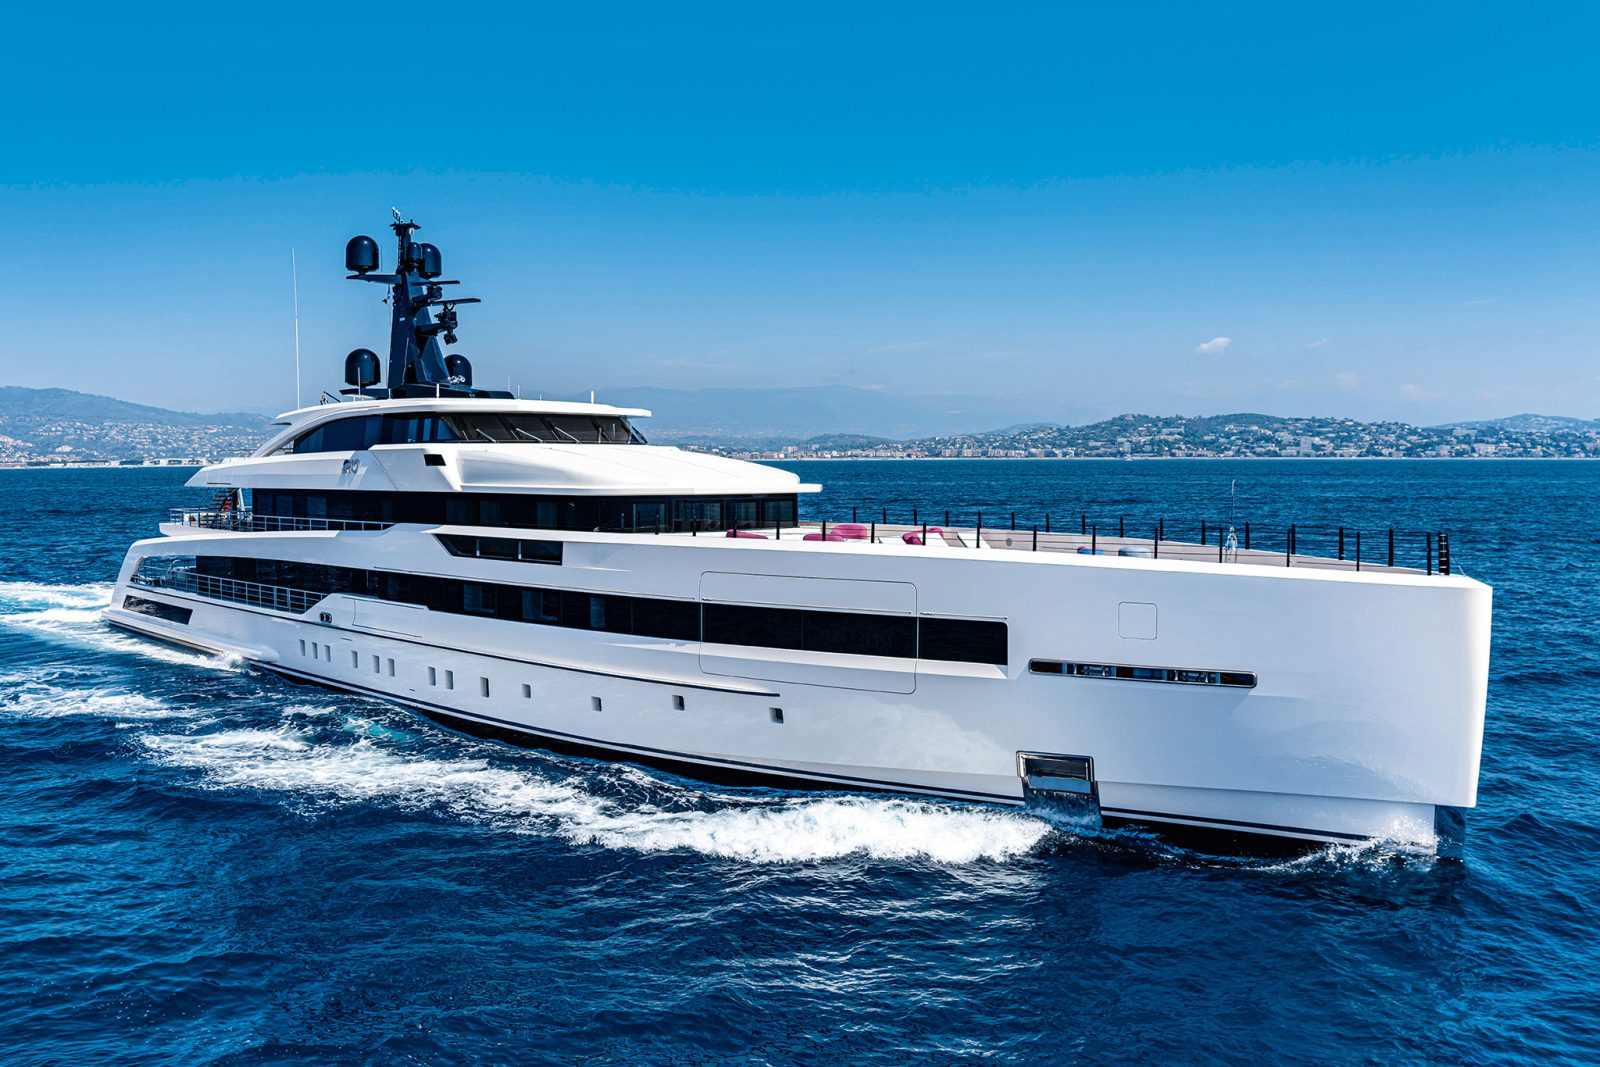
203,864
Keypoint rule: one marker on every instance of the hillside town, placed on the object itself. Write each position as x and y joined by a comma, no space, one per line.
1222,437
62,442
58,428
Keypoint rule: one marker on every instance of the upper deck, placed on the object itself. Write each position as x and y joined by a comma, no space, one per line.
484,445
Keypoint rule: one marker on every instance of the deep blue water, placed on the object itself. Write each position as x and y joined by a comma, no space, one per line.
200,864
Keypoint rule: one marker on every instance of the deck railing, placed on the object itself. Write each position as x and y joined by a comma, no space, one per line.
1250,543
1293,545
246,521
275,597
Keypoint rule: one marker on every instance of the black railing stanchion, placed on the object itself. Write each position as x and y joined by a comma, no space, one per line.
1013,520
1121,532
1083,524
1036,537
1203,532
1047,522
977,532
1444,552
947,518
1161,527
1288,547
924,535
824,529
913,516
1391,546
1428,540
1155,544
1341,542
872,534
1219,546
853,516
1094,540
1358,550
1247,537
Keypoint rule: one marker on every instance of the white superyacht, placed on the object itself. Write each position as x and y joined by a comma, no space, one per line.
535,572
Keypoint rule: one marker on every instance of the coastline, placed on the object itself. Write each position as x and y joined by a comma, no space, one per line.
951,459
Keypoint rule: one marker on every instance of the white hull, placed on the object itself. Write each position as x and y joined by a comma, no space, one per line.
1365,721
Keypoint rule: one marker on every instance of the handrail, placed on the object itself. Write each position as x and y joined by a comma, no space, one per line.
246,521
1293,545
276,597
1227,541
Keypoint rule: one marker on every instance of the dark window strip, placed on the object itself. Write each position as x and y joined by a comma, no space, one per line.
514,510
513,548
158,610
1125,673
977,641
356,433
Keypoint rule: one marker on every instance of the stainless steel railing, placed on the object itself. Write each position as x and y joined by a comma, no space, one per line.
275,597
247,521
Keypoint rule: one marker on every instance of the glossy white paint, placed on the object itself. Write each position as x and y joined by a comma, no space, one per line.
1367,715
1368,712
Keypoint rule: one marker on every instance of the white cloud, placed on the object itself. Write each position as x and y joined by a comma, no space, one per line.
1347,380
1317,343
1216,344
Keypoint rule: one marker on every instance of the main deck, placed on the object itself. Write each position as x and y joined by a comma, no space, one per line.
1344,548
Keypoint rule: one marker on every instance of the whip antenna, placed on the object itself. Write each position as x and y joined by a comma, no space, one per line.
294,282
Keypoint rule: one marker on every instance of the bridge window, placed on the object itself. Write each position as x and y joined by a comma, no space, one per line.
359,432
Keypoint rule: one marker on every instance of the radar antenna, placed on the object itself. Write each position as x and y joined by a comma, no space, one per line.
418,365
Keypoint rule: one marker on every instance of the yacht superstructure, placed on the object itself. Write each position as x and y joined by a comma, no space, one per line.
535,571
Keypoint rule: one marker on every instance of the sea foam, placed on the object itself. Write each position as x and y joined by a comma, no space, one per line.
362,767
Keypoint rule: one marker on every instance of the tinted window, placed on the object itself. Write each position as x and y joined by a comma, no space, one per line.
730,624
522,511
666,618
156,609
965,640
733,624
861,635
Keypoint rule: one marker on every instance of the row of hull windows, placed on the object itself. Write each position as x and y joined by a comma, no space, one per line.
901,636
325,652
360,432
634,514
1126,673
446,678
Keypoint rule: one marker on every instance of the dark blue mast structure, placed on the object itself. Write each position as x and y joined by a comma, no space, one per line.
418,366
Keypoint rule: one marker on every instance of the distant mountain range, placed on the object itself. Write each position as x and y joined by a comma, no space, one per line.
62,425
55,425
18,402
1532,424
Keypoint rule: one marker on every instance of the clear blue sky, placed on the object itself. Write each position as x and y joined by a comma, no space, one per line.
1386,211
